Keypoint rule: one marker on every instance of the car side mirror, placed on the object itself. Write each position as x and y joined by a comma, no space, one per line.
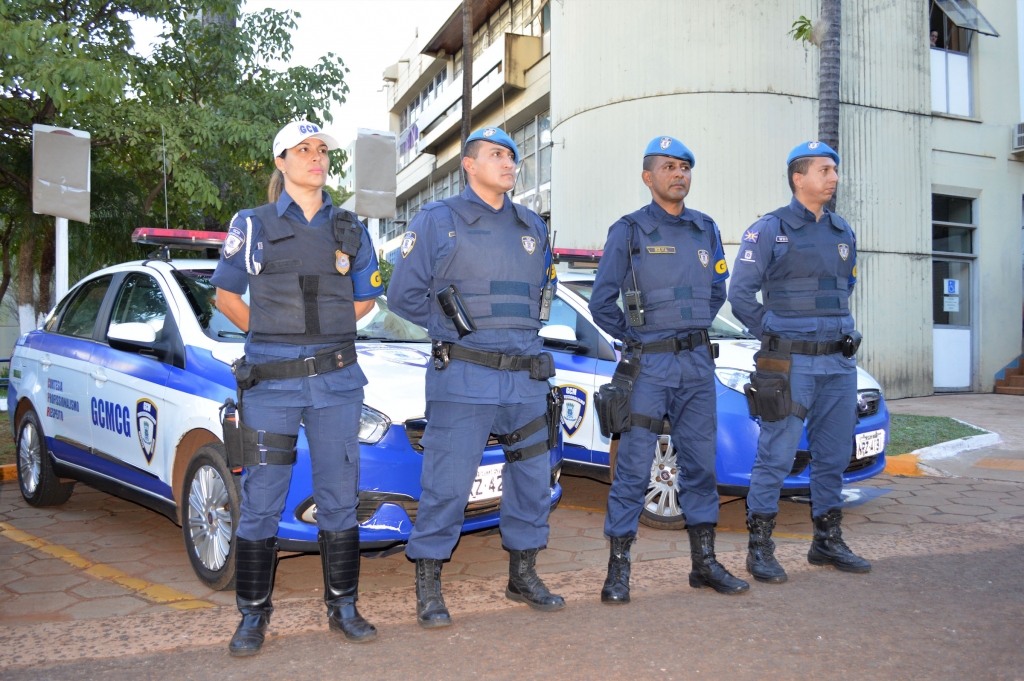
132,337
558,332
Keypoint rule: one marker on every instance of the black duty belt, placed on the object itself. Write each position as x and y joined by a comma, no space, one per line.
541,367
324,361
799,347
676,345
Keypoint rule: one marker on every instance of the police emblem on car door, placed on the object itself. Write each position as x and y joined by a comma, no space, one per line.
145,427
574,407
530,244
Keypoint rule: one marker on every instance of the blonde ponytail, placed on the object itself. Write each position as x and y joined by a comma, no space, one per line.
275,187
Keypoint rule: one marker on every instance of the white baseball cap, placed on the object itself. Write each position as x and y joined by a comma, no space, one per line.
297,131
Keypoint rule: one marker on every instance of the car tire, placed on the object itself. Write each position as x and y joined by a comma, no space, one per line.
39,485
661,503
210,502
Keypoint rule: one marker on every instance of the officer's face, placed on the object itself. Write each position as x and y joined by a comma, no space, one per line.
494,167
819,183
305,164
669,180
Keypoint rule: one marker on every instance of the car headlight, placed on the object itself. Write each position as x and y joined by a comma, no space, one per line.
734,379
372,426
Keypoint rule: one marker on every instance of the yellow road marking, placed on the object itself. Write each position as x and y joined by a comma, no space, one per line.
902,464
154,593
1001,464
582,508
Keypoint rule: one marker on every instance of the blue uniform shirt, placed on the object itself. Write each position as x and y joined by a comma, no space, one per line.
752,262
409,297
661,368
243,253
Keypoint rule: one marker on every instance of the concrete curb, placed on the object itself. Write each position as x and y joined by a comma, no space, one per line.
8,472
944,450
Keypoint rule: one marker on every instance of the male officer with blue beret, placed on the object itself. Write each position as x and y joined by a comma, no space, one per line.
803,259
311,273
667,261
474,270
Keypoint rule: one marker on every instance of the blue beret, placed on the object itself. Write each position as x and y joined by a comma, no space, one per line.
808,149
496,136
669,146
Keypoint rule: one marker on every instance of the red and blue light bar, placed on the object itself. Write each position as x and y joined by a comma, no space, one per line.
191,239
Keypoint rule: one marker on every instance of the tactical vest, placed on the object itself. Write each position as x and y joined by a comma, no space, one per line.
499,272
674,268
809,275
303,292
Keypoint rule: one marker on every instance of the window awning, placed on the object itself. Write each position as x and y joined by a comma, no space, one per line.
965,14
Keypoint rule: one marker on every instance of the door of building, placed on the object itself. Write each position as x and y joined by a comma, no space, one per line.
953,259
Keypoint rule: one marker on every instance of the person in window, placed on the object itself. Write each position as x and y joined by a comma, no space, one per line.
311,273
803,258
935,38
490,380
670,255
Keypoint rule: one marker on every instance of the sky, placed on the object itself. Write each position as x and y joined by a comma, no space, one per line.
368,35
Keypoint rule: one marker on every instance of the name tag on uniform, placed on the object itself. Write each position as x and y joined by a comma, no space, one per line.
782,239
661,249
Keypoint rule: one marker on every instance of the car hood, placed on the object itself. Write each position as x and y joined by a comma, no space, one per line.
739,354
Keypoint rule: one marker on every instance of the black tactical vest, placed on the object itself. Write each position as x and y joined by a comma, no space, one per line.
809,275
303,292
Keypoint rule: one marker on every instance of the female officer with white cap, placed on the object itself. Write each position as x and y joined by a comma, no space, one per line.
311,273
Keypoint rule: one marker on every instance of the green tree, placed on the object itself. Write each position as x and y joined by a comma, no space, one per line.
210,89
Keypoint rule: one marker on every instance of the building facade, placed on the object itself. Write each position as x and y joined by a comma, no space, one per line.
932,178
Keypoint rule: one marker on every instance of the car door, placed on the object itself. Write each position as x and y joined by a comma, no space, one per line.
576,364
62,352
127,385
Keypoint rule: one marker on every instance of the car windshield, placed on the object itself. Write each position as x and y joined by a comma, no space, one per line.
379,324
723,326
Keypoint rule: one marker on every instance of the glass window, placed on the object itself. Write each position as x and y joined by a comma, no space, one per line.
544,165
79,319
380,323
951,292
952,239
456,182
545,20
952,209
140,301
588,339
201,296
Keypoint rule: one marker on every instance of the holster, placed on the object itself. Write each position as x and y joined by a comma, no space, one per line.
612,400
551,418
769,393
247,446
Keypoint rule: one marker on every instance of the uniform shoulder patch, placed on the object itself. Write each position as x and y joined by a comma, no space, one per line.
751,236
234,241
721,267
748,256
408,242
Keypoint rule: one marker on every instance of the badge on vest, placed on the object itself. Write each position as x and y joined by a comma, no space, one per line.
844,251
408,241
530,244
341,262
659,250
704,257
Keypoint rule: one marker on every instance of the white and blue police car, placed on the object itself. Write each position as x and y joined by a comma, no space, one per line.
121,389
585,358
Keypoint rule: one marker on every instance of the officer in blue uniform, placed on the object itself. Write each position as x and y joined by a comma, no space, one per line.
311,273
803,258
667,261
491,380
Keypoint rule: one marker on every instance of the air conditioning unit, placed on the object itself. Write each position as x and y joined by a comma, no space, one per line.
1018,139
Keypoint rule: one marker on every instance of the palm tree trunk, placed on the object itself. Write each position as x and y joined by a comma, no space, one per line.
828,79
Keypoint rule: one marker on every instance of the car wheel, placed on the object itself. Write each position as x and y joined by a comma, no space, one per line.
661,503
40,486
211,498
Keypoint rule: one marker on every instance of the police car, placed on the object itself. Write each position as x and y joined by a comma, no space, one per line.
585,358
121,389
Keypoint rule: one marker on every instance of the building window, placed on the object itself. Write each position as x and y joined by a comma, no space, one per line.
533,184
952,25
953,231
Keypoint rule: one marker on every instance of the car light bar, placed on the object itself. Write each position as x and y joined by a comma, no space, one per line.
188,239
575,255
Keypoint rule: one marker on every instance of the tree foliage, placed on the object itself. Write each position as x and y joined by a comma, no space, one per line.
213,89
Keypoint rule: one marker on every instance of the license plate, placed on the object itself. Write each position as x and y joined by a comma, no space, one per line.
487,484
870,444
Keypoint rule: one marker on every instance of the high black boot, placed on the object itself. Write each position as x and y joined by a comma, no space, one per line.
707,571
255,564
525,586
616,584
431,611
828,547
339,555
761,561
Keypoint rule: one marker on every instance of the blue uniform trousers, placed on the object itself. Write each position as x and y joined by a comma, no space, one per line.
333,435
831,400
453,446
692,412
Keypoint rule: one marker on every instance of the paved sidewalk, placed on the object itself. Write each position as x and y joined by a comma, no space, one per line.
1003,414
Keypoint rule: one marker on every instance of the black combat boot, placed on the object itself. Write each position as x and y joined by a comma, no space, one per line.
339,555
616,584
761,561
828,547
707,571
255,564
430,608
525,586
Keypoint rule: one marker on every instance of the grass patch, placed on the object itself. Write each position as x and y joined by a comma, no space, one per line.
6,441
908,433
